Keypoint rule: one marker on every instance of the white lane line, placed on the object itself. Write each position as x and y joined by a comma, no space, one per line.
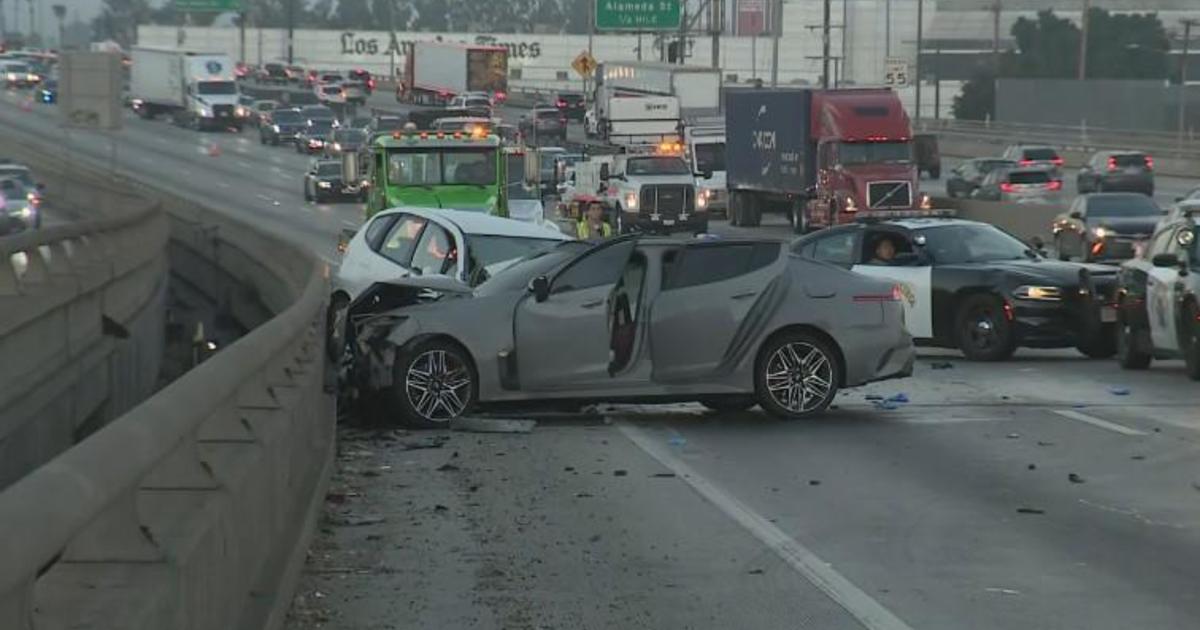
221,184
1097,422
870,613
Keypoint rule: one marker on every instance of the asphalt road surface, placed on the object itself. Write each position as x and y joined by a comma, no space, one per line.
1050,491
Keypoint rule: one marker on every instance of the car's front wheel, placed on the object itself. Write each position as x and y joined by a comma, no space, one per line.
435,382
984,330
796,375
1133,341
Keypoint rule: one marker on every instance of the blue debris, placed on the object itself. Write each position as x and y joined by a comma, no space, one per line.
1118,391
900,397
677,440
885,405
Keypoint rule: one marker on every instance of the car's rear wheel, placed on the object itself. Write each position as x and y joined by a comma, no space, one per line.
983,329
1133,343
336,320
435,382
729,404
1189,341
796,375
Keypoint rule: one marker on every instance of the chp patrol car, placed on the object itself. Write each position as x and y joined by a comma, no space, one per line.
972,286
1158,310
650,188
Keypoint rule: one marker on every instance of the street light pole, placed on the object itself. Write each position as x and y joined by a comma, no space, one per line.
920,44
776,30
291,30
1183,60
825,37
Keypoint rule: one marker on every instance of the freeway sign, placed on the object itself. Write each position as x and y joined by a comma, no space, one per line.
637,15
208,6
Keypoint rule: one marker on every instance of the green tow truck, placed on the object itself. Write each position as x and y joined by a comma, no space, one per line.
464,171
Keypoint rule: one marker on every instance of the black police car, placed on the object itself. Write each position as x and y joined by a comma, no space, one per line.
975,287
1158,309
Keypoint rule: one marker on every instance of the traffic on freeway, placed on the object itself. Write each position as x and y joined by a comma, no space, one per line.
628,361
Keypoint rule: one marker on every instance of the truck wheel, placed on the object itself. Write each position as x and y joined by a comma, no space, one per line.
799,219
752,212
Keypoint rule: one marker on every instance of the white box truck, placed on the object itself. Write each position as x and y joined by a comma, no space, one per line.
197,89
704,146
435,72
697,88
625,120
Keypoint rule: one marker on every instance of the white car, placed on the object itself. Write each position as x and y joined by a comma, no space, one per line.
465,246
331,93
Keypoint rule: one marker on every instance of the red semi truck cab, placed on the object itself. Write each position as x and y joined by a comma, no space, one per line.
825,157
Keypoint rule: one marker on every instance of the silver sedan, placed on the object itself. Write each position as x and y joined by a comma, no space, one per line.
728,323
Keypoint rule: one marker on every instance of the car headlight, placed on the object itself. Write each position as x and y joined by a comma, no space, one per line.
1102,232
337,146
850,205
324,184
241,112
204,112
275,128
926,202
1040,293
25,212
631,201
702,199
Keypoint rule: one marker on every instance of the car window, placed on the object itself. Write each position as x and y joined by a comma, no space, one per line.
713,263
435,253
402,239
599,267
1122,206
836,249
874,251
1041,153
377,229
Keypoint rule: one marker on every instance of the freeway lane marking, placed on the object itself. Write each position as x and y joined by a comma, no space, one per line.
870,613
1097,422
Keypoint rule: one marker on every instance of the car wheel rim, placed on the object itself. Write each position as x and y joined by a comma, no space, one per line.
799,376
438,385
982,329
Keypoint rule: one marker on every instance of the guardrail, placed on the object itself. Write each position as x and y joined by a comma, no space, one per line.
1081,138
192,511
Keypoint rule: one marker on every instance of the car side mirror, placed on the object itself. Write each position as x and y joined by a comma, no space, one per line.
1165,260
1038,243
1075,214
540,288
706,174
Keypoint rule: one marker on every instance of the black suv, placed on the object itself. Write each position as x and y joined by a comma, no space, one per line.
571,104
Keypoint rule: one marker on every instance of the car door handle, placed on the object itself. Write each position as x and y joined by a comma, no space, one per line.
742,296
592,304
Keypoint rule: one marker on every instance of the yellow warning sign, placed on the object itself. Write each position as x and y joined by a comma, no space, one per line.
584,64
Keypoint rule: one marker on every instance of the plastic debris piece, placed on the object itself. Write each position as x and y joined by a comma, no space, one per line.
899,397
1013,436
1118,391
755,572
1032,467
677,440
873,397
447,468
941,365
1028,510
1073,478
620,473
814,482
666,475
358,521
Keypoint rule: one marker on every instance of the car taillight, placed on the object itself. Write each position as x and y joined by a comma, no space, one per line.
1007,187
895,295
1025,162
1057,161
1149,163
1112,164
1054,184
561,103
501,96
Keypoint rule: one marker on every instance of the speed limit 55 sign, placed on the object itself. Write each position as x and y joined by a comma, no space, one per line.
895,72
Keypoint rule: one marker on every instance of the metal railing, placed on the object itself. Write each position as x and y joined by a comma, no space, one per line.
1080,138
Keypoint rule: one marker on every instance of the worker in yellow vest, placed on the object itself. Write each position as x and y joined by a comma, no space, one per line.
592,226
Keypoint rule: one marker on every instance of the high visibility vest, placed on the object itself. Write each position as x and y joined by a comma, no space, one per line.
584,230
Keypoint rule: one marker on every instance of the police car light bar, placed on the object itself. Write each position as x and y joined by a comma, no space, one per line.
883,215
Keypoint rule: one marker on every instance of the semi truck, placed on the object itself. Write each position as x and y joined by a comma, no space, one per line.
697,88
435,72
463,171
824,157
197,89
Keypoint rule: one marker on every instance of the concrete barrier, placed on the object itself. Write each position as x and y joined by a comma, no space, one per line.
81,319
192,511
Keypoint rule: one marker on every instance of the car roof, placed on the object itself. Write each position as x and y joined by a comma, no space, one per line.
475,222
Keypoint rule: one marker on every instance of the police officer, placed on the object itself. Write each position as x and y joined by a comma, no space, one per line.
592,226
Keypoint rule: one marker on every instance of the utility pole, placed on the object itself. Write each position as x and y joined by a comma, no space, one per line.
3,25
716,21
1083,38
887,29
776,31
32,26
291,31
937,81
995,9
920,45
825,26
60,13
242,35
683,26
1183,60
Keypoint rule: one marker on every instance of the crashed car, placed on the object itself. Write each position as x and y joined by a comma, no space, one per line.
728,323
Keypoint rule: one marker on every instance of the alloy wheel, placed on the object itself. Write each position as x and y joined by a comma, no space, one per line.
438,385
799,376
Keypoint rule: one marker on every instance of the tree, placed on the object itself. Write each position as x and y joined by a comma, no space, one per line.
119,19
354,14
977,100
